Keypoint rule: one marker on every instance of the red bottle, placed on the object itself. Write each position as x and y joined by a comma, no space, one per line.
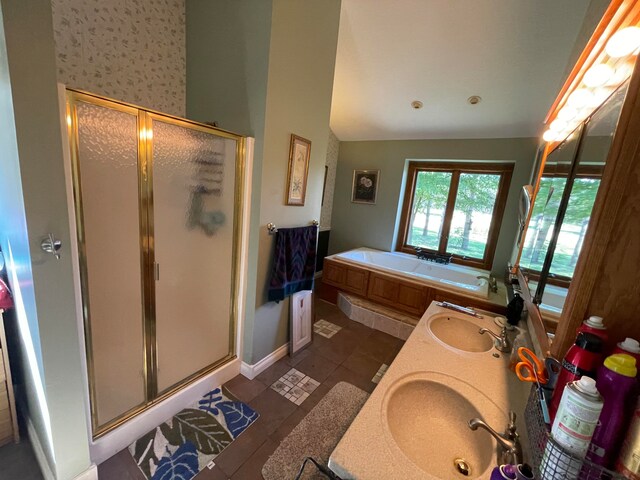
595,325
583,358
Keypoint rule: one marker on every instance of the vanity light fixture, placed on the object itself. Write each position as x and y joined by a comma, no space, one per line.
416,104
624,42
607,62
598,75
608,71
557,125
567,113
580,98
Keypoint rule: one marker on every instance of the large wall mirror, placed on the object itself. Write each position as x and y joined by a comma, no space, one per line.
565,195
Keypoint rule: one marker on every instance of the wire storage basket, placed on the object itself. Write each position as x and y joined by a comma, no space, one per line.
550,460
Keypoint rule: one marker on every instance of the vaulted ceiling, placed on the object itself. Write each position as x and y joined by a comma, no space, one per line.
512,53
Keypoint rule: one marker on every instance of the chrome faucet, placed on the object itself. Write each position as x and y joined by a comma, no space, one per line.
501,341
493,284
509,448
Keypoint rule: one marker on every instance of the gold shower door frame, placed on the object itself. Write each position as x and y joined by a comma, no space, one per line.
145,118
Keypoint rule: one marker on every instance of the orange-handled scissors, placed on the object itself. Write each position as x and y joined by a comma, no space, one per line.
530,369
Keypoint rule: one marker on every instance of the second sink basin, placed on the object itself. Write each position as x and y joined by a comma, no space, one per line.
460,333
426,415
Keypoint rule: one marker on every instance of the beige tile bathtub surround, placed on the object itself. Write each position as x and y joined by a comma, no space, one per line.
375,316
396,413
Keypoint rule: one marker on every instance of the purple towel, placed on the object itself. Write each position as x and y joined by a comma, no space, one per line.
294,263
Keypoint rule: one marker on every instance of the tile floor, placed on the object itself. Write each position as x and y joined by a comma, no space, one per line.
348,352
18,462
326,329
354,354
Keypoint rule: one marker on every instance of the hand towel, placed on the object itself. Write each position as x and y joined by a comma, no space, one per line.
294,262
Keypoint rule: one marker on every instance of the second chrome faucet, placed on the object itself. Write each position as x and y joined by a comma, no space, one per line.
509,448
502,343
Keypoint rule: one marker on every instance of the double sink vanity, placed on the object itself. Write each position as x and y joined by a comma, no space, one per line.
415,425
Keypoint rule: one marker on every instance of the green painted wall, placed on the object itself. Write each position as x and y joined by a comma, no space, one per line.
227,70
358,225
265,68
304,39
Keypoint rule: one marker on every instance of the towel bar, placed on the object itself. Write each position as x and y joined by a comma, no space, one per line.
271,227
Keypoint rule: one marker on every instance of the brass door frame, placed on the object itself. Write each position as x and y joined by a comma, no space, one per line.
145,118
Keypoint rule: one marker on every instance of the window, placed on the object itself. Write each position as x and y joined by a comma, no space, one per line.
454,208
572,231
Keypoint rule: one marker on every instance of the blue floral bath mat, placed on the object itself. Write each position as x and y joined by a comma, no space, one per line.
182,446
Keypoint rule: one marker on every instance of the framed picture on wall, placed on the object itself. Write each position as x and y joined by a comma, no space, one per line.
299,154
365,186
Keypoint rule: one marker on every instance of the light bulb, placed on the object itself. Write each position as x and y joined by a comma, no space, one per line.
597,75
622,72
583,113
600,95
557,125
579,98
623,42
566,113
550,136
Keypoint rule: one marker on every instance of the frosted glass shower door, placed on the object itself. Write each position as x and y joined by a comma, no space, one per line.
194,173
109,233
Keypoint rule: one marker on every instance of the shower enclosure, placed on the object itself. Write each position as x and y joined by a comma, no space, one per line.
158,204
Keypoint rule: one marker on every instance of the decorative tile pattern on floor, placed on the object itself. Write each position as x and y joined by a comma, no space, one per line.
380,373
326,329
295,386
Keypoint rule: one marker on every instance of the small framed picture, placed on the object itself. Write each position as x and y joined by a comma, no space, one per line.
299,154
365,186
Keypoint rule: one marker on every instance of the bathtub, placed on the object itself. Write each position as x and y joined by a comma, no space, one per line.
450,277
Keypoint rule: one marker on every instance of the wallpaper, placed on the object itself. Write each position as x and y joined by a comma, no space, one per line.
129,50
332,162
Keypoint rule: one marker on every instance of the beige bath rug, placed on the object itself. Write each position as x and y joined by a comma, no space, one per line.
317,434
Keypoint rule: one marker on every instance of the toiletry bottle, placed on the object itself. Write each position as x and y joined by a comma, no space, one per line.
574,424
629,460
630,347
583,358
617,384
595,325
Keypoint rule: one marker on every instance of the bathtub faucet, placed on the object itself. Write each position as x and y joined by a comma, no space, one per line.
493,284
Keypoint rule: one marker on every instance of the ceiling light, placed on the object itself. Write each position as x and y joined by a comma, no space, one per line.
474,99
417,104
598,75
623,42
580,98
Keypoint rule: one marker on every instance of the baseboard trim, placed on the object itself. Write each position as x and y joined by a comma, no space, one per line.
41,458
252,371
90,473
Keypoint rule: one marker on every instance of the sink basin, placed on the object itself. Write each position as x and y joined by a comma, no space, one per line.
426,418
459,333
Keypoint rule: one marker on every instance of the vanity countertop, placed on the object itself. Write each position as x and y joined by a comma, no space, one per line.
369,449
